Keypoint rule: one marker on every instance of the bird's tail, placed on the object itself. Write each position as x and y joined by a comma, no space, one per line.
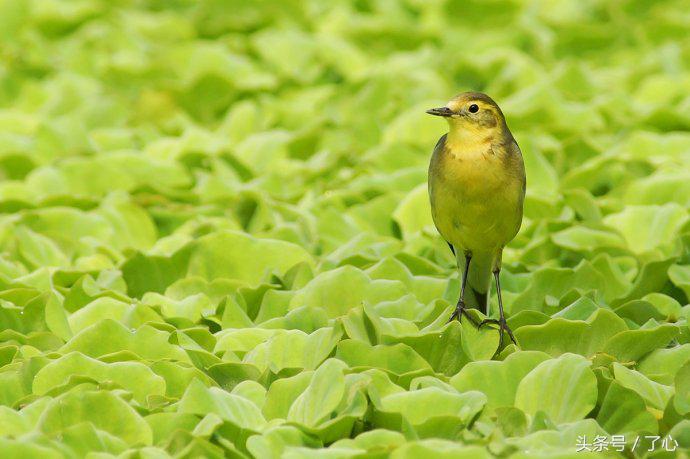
478,281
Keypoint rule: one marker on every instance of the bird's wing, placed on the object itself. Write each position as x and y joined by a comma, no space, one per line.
440,145
515,150
438,150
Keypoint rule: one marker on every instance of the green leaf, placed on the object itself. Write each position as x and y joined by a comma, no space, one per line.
178,376
96,176
241,340
451,349
252,391
37,250
559,336
201,400
19,448
97,310
56,318
583,239
273,441
191,308
439,448
153,273
680,276
631,345
14,15
397,359
681,432
283,392
132,226
555,283
68,226
294,349
413,214
652,277
322,395
235,255
14,423
108,336
339,290
623,411
564,388
662,365
434,412
646,228
505,376
164,424
374,441
132,376
655,394
659,188
103,409
681,400
558,442
84,438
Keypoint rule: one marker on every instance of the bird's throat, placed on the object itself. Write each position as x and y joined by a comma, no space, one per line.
461,138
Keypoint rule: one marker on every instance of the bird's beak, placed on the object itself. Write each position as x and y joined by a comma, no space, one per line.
441,111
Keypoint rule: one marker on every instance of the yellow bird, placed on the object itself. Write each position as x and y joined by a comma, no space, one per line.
477,189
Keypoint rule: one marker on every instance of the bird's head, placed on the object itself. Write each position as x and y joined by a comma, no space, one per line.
473,113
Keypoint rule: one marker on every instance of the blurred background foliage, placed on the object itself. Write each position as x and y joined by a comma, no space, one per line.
244,184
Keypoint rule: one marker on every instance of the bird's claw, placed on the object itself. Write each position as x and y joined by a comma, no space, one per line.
461,310
502,326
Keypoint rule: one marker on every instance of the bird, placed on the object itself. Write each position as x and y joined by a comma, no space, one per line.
476,187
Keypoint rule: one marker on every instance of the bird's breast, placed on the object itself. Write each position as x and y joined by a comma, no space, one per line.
476,202
473,175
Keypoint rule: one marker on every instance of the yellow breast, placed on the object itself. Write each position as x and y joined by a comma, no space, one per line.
476,200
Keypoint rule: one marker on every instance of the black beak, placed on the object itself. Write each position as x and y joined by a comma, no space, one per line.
441,111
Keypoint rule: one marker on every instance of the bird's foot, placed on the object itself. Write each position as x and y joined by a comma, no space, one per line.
460,310
502,326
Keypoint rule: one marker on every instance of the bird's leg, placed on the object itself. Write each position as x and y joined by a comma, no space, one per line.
501,321
460,308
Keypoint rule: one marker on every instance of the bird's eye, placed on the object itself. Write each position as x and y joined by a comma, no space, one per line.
474,108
